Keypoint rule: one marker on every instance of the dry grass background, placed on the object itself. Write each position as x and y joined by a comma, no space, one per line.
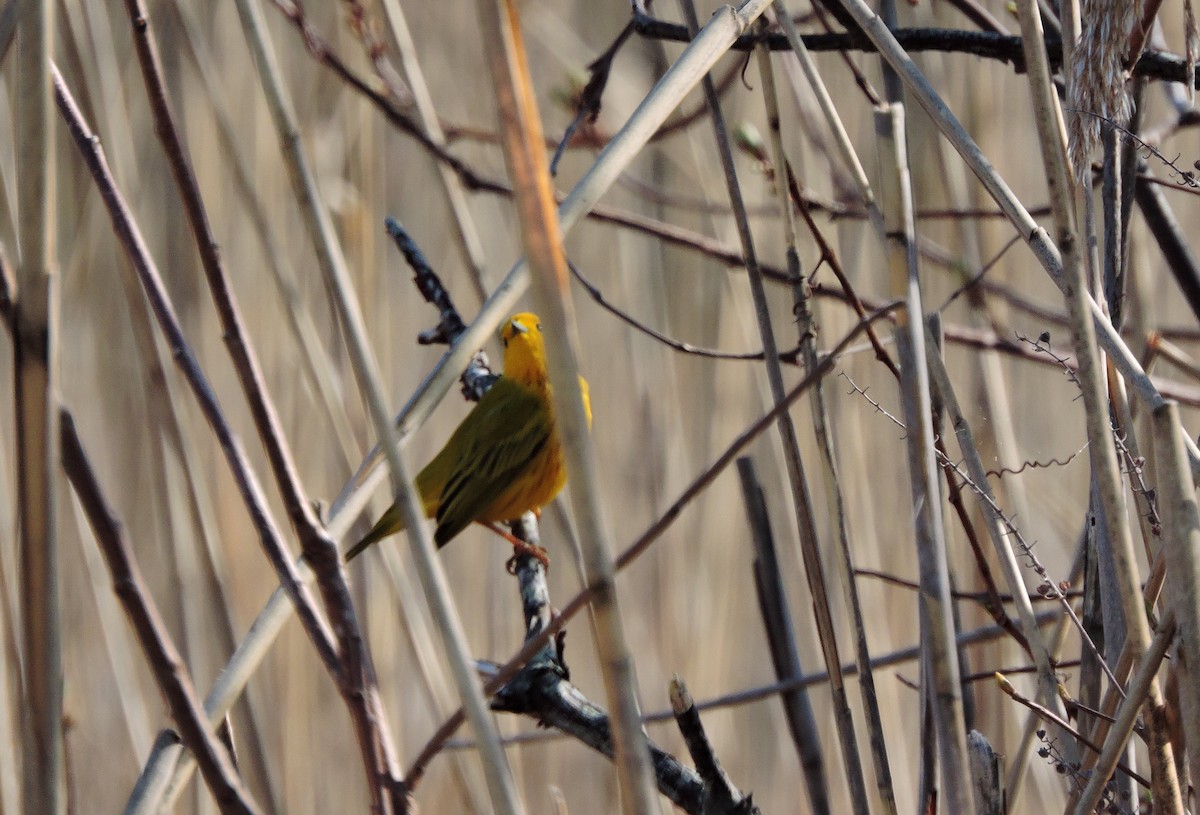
660,416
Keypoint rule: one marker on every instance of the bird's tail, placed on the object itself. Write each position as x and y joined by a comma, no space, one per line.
388,524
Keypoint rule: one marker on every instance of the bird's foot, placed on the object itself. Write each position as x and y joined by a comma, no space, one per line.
521,548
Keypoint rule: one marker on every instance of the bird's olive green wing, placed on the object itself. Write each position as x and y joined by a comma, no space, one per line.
491,448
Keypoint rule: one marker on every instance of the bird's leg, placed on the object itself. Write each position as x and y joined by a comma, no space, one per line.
520,547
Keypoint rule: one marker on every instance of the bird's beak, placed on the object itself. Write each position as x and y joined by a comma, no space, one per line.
516,326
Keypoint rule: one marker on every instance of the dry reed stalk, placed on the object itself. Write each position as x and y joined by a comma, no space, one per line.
801,496
1018,759
998,531
314,357
807,327
1181,541
1092,383
1138,693
833,121
944,695
35,379
521,131
130,237
165,405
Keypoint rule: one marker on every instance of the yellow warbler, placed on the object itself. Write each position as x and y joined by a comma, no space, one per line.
505,458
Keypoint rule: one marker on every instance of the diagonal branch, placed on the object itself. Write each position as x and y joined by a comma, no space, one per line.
215,762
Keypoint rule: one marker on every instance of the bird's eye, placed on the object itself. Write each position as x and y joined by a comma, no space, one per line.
504,342
539,326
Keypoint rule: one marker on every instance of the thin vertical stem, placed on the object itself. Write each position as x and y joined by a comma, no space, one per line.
1181,542
801,496
521,133
936,605
821,424
1091,378
36,348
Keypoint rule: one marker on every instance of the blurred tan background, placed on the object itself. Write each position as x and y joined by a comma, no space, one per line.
660,416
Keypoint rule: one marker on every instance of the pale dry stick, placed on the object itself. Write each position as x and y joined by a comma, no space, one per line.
1181,541
314,358
12,693
355,676
996,391
1115,693
843,142
440,694
169,669
464,223
139,721
165,404
1001,426
1138,693
998,531
129,235
1011,529
836,508
35,381
521,131
833,121
1129,453
714,40
1035,237
1090,374
936,606
801,496
337,279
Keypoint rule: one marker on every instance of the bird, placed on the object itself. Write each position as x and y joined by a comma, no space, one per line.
504,459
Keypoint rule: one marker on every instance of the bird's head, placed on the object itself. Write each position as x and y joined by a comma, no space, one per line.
524,350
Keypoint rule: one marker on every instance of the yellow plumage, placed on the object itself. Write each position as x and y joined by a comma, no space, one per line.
505,458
